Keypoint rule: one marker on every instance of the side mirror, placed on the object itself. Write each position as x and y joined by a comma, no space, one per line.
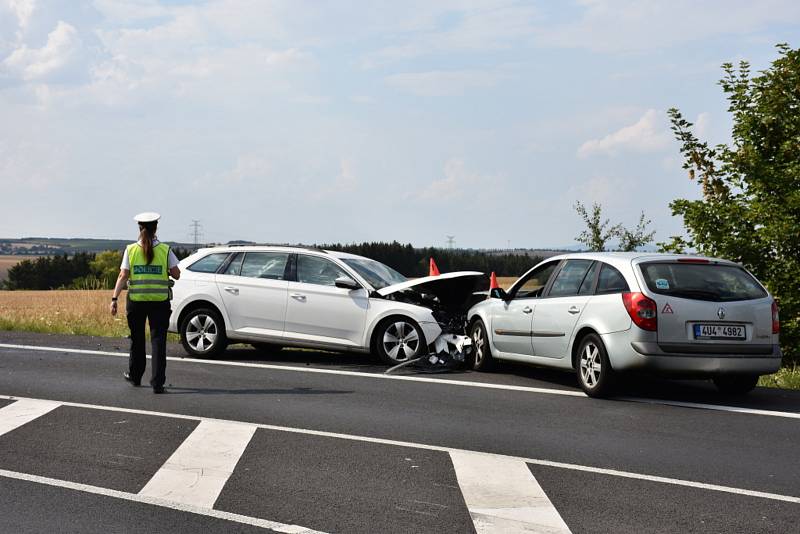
498,293
344,282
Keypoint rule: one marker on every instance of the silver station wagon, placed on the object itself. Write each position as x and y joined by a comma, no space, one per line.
601,314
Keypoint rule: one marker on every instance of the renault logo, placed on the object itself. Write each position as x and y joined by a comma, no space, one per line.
721,313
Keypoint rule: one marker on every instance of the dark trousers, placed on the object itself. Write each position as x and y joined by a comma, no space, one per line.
157,313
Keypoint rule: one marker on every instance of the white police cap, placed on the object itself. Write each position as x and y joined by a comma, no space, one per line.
147,217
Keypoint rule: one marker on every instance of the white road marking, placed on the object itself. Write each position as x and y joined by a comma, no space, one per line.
548,391
198,470
23,411
716,407
424,446
133,497
504,497
568,393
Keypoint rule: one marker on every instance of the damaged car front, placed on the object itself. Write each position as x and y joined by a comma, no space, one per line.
448,296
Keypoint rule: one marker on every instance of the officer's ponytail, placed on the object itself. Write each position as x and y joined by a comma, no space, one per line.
146,233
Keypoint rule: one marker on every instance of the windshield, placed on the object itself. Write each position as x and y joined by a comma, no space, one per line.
701,281
374,272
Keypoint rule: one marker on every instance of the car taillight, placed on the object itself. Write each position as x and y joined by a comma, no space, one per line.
693,260
642,310
776,323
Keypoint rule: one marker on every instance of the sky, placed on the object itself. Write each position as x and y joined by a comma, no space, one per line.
316,122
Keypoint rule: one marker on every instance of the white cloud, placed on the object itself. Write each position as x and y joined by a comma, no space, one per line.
443,83
648,134
345,182
702,125
602,189
248,168
23,9
458,183
62,46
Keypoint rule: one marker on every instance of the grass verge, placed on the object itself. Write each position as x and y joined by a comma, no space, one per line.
76,312
785,378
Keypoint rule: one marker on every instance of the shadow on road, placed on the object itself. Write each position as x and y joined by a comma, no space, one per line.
518,374
175,390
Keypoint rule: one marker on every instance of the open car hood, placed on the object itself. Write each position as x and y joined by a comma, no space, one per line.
453,290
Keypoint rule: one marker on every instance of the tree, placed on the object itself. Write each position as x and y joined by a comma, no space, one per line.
750,206
105,267
597,232
630,240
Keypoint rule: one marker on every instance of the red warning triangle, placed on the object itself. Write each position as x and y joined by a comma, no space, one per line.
433,270
667,308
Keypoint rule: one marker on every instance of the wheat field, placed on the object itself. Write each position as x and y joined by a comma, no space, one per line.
62,312
80,312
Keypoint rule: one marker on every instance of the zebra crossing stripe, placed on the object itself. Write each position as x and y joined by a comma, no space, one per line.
24,411
273,526
198,470
502,495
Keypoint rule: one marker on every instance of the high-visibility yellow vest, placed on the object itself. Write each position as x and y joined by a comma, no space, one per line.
148,282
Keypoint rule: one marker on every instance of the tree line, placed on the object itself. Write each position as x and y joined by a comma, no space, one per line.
99,271
83,270
414,262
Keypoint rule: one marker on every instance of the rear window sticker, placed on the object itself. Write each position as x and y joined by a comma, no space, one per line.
662,283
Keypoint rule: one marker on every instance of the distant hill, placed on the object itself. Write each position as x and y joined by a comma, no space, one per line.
48,246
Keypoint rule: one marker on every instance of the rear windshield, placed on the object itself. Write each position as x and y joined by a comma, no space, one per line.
719,283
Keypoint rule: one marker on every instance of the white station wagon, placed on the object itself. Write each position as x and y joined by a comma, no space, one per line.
604,313
271,296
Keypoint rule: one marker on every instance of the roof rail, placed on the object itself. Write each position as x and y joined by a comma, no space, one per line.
299,247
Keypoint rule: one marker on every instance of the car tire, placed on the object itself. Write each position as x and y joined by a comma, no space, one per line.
481,359
398,339
595,375
203,333
735,384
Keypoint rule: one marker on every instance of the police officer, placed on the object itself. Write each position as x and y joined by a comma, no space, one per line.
146,267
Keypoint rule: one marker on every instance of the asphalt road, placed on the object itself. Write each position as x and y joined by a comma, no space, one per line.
337,447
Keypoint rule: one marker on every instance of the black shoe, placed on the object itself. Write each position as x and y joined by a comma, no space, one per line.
127,376
159,389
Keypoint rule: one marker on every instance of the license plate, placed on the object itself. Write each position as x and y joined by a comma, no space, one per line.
718,331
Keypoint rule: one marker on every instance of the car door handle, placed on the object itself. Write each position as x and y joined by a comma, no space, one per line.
574,309
231,290
527,309
298,296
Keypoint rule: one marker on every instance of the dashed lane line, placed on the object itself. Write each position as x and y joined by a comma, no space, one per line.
198,470
502,495
507,387
368,439
163,503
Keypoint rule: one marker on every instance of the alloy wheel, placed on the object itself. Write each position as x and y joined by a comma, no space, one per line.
478,343
591,365
401,341
201,332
